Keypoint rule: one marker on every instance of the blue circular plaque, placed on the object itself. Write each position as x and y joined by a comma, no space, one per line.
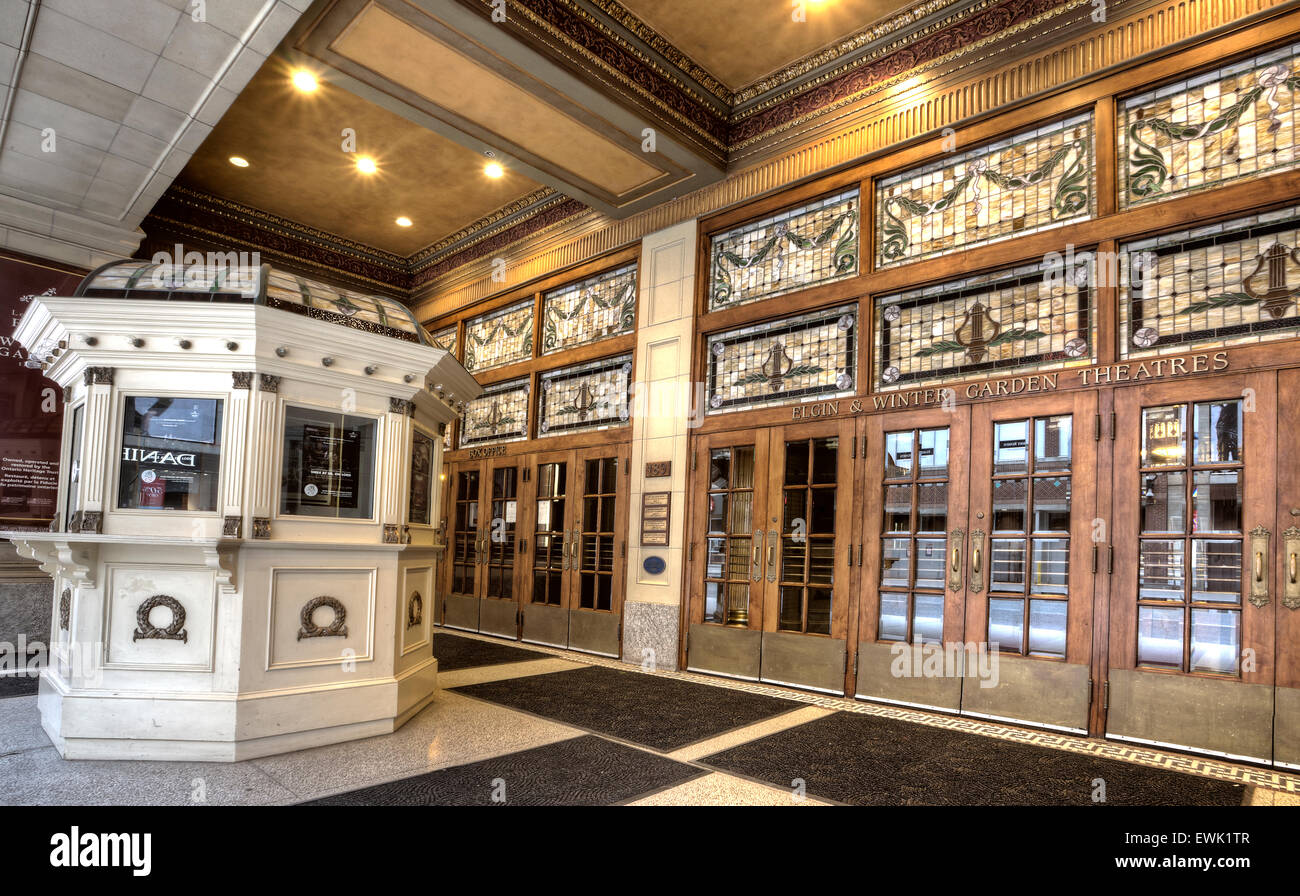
654,565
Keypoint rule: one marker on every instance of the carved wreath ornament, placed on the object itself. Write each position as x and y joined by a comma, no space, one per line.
414,610
175,631
337,627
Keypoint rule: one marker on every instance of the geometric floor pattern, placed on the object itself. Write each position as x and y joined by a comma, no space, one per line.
419,761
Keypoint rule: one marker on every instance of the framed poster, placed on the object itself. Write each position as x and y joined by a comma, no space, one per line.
31,406
329,464
171,453
421,508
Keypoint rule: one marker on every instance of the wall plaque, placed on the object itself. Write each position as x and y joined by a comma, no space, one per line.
656,510
658,468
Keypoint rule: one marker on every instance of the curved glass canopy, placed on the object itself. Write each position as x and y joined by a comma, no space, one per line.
133,279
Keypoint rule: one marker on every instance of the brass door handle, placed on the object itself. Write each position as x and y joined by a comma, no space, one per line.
958,537
1259,545
977,560
1293,568
1259,566
576,558
771,555
756,571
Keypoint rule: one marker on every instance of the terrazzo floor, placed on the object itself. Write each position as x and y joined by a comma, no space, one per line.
465,750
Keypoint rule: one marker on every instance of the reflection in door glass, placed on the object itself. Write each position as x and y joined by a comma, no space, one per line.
912,551
1189,588
549,537
808,538
596,554
464,560
1029,570
730,566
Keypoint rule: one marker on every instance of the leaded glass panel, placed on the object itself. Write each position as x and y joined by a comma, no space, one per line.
1232,123
501,337
587,396
1005,320
1230,283
781,361
500,414
1025,183
794,249
446,339
589,310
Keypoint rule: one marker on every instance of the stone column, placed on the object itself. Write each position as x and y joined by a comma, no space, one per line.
663,403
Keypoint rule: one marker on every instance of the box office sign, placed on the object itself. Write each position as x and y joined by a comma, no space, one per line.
31,406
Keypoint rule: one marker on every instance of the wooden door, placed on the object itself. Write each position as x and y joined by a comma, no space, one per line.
807,554
499,576
727,561
546,548
1029,609
1193,604
911,587
464,547
598,549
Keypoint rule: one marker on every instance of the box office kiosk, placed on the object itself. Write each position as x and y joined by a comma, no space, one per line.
245,554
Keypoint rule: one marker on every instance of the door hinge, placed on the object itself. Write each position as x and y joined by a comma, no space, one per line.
686,642
523,545
622,549
1112,425
525,474
853,452
1105,695
691,558
1110,559
1090,693
1096,427
1094,559
695,459
860,552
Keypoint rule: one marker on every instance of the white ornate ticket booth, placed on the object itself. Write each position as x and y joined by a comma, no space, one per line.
245,557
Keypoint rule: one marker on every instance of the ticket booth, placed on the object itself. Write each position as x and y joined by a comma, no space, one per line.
246,547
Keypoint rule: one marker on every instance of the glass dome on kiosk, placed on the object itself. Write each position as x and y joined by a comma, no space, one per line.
133,279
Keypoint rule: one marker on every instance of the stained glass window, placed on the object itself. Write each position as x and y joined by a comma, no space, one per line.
1235,122
589,310
1025,183
786,360
499,338
500,414
1228,283
800,247
588,396
1029,316
445,339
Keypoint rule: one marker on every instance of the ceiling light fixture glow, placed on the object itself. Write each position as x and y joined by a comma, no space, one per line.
493,169
403,221
366,165
305,81
239,161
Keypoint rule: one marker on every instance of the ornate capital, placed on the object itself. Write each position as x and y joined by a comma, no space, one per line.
231,526
268,383
242,379
98,376
261,527
390,535
401,406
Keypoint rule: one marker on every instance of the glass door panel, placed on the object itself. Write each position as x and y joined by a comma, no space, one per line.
1193,592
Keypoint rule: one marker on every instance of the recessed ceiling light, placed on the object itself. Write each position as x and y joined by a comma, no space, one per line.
493,169
305,80
239,161
403,221
366,165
